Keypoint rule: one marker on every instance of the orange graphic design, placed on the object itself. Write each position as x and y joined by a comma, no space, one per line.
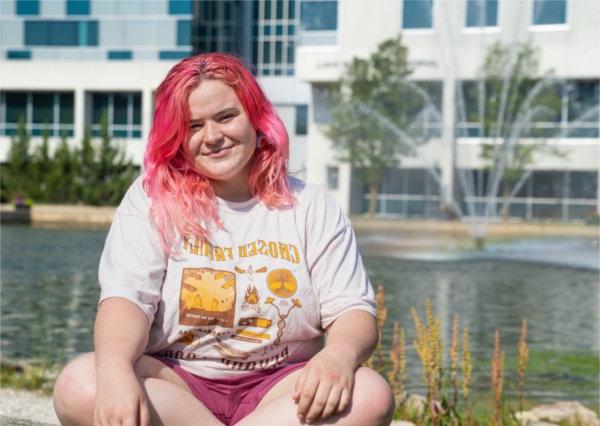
281,324
227,351
255,322
282,283
188,338
253,334
251,297
207,297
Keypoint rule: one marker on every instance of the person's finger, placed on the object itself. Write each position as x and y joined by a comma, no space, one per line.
298,386
319,402
307,393
332,404
344,401
144,414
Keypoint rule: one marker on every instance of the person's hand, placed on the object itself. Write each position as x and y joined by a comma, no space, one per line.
325,386
120,400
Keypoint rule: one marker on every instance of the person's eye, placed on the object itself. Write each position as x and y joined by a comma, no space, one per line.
227,118
194,127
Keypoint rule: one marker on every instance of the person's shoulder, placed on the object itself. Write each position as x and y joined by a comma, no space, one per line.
316,200
136,201
306,190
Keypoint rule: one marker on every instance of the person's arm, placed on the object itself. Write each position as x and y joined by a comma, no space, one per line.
120,337
325,385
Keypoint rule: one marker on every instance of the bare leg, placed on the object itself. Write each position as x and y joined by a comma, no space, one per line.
170,401
372,403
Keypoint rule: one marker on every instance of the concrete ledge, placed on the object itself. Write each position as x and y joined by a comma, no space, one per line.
61,214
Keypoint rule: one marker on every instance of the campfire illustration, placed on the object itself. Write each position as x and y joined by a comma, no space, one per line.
252,297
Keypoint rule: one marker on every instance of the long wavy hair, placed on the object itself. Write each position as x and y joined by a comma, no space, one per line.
183,201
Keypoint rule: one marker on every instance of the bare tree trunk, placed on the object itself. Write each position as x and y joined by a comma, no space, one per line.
372,199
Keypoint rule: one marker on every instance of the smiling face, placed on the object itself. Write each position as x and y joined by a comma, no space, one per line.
221,139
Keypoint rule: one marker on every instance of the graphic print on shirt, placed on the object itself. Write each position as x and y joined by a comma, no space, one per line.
282,282
207,297
252,297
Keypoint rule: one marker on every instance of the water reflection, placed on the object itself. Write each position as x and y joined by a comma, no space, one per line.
49,293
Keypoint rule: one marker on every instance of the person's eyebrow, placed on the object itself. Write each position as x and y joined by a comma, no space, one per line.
231,110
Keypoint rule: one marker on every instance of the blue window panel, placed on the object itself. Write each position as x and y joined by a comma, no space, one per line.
18,54
180,7
482,13
28,7
184,33
548,12
417,14
173,54
61,33
88,33
318,15
120,55
301,119
78,7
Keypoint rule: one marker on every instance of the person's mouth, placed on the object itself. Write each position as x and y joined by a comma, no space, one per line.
218,153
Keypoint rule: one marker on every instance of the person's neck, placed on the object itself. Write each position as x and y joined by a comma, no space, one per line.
229,192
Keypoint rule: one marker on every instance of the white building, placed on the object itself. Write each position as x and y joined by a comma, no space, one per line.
65,63
447,45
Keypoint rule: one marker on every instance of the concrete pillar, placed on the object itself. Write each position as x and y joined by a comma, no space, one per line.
79,115
448,138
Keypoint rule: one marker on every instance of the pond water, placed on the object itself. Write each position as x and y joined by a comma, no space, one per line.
49,293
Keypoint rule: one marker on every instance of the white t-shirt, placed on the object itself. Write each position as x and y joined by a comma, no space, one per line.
258,295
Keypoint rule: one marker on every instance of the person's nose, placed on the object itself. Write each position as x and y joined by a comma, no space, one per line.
212,133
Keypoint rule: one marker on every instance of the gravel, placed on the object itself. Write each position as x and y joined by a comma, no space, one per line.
26,408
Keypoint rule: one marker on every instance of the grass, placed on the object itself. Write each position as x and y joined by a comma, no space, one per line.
37,377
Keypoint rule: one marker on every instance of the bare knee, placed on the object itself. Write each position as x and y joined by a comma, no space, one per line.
373,397
75,391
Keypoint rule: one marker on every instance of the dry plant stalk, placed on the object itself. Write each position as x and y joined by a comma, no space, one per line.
454,359
467,365
381,313
497,379
430,350
523,356
397,375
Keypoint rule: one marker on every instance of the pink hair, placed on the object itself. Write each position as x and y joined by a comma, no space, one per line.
183,201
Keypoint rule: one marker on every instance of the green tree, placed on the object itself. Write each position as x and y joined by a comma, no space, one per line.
105,172
62,179
16,178
375,114
512,97
41,164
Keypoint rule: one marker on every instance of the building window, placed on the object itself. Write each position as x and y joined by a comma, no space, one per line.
549,12
61,33
417,14
333,177
319,15
565,110
184,33
482,13
301,120
120,55
173,55
27,7
78,7
18,54
180,7
318,23
581,115
123,112
50,112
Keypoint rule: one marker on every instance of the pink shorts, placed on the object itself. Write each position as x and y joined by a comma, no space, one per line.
230,400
